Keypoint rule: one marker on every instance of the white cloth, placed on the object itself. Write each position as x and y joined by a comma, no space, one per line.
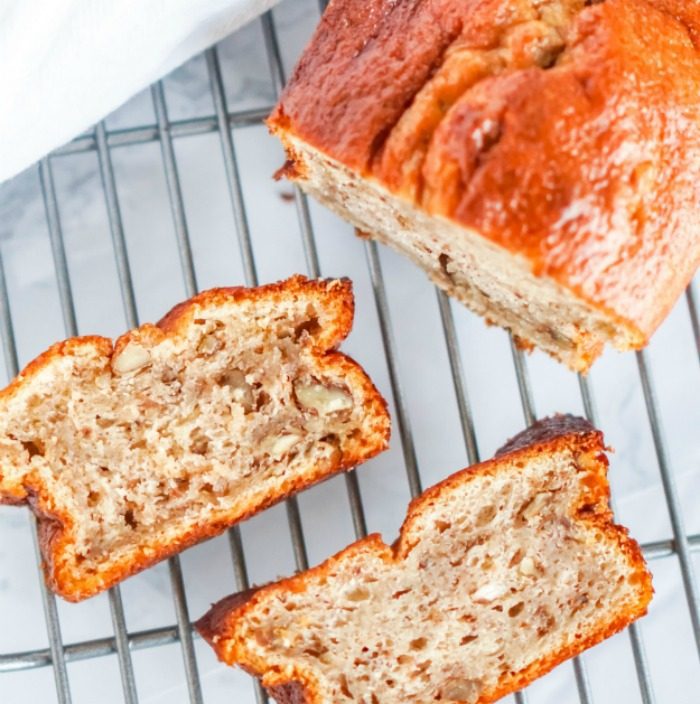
65,64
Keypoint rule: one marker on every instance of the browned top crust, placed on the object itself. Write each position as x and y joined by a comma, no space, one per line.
546,436
210,624
547,429
567,133
339,291
292,693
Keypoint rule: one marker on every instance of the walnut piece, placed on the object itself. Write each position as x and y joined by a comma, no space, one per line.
209,344
131,358
103,381
462,690
534,507
493,646
488,593
241,390
322,399
527,567
280,445
358,593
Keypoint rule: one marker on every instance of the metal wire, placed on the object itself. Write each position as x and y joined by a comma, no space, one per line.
131,313
672,501
401,410
65,293
466,417
249,268
638,651
693,313
527,402
246,249
150,133
88,649
53,627
177,205
313,265
223,122
167,635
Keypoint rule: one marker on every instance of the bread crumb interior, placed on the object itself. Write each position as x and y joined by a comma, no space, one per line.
167,436
501,572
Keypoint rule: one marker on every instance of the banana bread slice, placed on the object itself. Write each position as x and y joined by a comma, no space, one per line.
539,159
132,451
501,571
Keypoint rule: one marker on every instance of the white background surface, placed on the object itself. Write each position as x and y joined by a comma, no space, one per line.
69,63
422,365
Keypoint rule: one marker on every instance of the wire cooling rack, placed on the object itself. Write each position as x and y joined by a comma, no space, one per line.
466,369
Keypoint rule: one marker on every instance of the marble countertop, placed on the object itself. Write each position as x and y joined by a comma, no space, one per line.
422,365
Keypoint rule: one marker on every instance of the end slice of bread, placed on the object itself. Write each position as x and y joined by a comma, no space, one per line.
501,572
132,451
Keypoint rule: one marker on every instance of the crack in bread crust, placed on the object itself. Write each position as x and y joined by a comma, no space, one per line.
531,36
439,616
132,451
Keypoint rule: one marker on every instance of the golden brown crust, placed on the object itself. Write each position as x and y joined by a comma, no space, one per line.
336,294
218,626
291,693
547,429
54,525
213,621
585,162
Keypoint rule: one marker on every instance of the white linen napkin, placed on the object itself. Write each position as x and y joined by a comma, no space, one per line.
65,64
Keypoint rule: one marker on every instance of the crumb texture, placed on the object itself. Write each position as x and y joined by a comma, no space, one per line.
182,429
500,573
564,133
483,277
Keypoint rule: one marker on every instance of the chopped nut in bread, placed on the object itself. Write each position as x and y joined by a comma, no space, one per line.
130,358
322,399
130,452
461,609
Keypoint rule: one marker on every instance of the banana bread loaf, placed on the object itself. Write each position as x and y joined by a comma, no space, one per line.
540,159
